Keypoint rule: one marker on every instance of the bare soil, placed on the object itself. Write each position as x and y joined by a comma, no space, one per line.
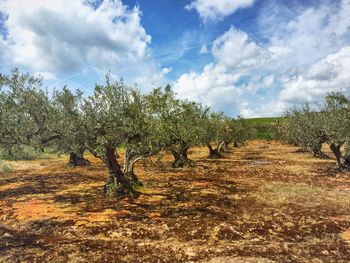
265,202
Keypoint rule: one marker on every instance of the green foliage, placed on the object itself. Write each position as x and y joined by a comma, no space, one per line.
68,121
241,131
5,168
25,111
176,125
262,128
115,115
310,129
266,120
336,118
305,128
20,152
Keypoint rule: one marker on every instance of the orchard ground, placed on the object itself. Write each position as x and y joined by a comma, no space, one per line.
264,202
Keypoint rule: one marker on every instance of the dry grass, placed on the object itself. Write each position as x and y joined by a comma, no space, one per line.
260,203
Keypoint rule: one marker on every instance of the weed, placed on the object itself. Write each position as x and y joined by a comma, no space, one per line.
5,168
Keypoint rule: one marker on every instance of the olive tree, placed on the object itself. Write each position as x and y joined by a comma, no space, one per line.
304,127
331,125
31,118
213,132
239,132
336,122
178,123
26,114
115,116
223,131
69,121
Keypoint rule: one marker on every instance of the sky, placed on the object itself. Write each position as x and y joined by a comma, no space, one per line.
255,58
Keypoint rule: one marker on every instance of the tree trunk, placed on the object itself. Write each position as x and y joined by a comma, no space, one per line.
117,182
224,147
316,150
347,151
77,158
318,153
131,158
235,144
343,163
180,158
214,153
9,151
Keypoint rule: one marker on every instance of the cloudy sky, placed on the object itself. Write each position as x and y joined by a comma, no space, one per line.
250,57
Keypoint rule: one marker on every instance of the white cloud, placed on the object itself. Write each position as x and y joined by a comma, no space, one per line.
210,10
317,57
313,33
151,75
166,70
257,83
213,87
304,56
46,75
234,50
66,36
235,55
279,51
327,75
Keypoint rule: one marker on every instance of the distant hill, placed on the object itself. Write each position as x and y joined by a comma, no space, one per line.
262,126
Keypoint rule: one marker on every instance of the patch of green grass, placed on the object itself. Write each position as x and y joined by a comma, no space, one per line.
22,154
284,193
5,168
278,193
267,120
262,126
26,154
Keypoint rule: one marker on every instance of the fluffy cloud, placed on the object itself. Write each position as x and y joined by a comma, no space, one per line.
216,85
303,59
234,50
219,85
152,76
312,34
327,75
316,60
210,10
213,87
67,36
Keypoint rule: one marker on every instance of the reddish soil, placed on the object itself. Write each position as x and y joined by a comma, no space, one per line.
264,202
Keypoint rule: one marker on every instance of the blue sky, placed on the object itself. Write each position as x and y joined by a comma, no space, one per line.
250,57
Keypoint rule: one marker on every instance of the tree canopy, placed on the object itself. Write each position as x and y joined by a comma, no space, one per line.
311,129
116,116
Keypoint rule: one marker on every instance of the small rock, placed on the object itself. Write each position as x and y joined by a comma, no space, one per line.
7,235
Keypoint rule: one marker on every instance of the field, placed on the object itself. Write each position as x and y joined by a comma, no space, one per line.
264,202
262,126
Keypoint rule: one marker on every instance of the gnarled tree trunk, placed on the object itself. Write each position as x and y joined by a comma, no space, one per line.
347,151
214,152
342,161
131,158
180,157
117,183
77,158
224,147
316,150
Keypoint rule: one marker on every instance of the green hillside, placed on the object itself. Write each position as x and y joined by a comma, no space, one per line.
262,126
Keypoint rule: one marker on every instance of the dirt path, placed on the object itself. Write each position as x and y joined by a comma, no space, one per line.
261,203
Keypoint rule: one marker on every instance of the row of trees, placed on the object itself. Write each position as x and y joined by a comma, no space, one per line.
310,129
114,116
